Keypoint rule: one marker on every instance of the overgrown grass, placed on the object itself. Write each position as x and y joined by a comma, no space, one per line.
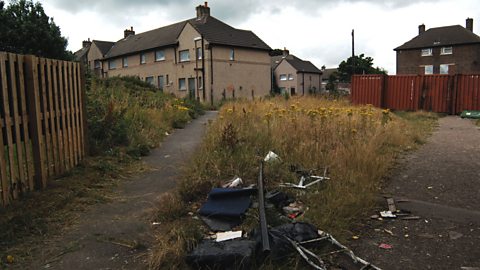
357,144
126,112
126,118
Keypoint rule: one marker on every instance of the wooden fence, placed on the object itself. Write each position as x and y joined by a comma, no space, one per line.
438,93
42,132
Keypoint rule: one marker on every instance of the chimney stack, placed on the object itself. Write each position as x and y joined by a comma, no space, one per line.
285,52
203,12
86,43
128,32
421,28
469,24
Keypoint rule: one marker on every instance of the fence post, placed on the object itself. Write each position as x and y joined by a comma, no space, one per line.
35,125
454,94
83,107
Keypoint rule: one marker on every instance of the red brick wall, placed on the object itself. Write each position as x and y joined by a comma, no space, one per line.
465,57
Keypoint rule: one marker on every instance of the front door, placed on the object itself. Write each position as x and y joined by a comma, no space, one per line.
191,88
161,83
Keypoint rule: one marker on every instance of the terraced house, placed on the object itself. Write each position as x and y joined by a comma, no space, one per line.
202,58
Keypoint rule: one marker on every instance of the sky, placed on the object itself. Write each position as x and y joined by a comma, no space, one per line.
314,30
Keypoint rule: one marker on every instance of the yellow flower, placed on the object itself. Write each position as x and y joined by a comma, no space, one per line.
230,111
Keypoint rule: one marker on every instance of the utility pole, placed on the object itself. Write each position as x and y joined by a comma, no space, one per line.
353,51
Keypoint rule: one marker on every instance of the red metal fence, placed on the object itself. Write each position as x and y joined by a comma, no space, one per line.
437,93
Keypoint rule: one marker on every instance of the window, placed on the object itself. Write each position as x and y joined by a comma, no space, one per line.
159,55
446,50
283,90
143,58
444,69
111,64
161,82
232,54
429,69
290,77
427,52
149,80
125,62
283,77
199,53
182,84
184,56
97,64
200,83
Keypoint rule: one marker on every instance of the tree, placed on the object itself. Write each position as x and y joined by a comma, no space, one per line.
26,29
363,65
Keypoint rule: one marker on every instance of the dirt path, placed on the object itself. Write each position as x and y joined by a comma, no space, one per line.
117,235
440,183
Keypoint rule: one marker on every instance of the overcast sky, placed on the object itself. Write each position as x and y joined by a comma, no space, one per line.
315,30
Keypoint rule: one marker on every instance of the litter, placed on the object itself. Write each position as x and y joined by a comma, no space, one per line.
224,236
271,156
411,218
225,207
387,214
470,114
391,205
385,246
278,199
294,210
388,231
237,254
235,182
454,235
306,176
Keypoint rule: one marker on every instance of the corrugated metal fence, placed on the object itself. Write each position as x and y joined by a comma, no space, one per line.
437,93
41,119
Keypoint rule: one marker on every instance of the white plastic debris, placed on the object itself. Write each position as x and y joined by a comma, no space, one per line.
224,236
387,214
271,156
235,182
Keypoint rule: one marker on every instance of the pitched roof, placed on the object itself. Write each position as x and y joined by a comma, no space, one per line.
160,37
103,46
81,53
441,36
213,30
275,60
302,65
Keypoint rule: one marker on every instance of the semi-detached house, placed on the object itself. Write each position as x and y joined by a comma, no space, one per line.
202,58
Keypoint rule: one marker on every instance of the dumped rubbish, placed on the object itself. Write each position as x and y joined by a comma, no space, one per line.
224,236
391,205
470,114
454,235
235,182
261,212
271,156
235,254
385,246
307,179
387,214
225,207
294,210
278,199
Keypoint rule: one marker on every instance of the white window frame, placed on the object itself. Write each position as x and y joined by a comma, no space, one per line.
446,50
232,54
185,54
425,69
112,64
184,88
162,56
125,62
447,70
143,58
427,52
282,77
290,77
199,53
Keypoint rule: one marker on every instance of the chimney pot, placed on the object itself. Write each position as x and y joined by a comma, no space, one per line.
128,32
86,43
206,4
421,28
469,24
203,12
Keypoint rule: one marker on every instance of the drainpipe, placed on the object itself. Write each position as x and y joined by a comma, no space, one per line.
203,68
211,74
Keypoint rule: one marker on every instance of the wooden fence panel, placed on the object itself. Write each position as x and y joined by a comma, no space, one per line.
41,122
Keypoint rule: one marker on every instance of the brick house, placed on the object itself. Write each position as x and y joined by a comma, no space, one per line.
201,58
294,75
442,50
92,53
